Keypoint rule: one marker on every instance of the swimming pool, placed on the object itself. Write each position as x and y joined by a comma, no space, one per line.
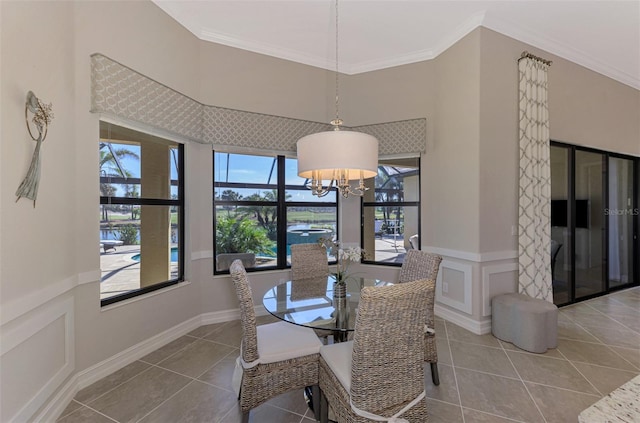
174,255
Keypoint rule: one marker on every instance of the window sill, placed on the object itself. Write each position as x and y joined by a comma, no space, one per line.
144,296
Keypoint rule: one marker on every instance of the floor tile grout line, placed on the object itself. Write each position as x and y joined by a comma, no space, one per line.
117,386
453,369
609,317
214,364
493,414
565,389
61,416
581,326
499,347
95,411
603,344
473,343
173,353
489,373
544,419
193,379
165,400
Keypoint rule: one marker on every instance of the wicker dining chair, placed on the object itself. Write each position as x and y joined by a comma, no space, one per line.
422,265
379,376
274,358
308,261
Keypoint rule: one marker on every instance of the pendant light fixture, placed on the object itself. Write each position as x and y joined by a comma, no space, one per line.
337,156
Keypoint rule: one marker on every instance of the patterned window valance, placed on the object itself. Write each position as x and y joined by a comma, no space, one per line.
121,92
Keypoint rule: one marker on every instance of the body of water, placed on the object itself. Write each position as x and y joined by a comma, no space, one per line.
174,255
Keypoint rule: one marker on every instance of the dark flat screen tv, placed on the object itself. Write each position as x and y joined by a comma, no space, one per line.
559,213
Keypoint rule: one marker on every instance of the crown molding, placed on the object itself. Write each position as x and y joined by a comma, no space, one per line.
502,26
267,49
517,32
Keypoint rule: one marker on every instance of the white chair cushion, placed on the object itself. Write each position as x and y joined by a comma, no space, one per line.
338,357
283,341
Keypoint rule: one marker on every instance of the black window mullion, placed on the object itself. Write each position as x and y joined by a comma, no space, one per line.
281,204
138,201
282,216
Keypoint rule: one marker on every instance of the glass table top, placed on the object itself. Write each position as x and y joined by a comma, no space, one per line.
309,302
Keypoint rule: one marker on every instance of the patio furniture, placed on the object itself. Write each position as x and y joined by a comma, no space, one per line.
377,230
379,376
528,323
110,244
422,265
274,358
414,241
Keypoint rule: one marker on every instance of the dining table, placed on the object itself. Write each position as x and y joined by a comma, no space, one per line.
311,302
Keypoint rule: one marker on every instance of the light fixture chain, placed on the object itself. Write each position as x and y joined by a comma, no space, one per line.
337,77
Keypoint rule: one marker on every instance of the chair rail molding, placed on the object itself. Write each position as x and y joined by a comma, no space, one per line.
471,256
23,305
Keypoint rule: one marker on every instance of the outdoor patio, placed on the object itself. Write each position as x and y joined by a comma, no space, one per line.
121,273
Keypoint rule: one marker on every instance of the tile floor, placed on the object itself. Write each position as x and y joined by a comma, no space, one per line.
482,378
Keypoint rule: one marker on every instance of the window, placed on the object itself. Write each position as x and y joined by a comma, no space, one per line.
141,213
391,212
261,207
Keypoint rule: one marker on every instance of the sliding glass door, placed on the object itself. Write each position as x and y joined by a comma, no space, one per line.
620,214
594,222
589,223
561,251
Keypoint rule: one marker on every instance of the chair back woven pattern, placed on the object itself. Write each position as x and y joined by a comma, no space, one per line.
308,261
419,265
387,368
247,312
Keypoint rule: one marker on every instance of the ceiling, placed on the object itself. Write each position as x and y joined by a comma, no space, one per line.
603,35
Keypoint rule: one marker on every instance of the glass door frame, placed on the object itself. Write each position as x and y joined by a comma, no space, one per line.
635,244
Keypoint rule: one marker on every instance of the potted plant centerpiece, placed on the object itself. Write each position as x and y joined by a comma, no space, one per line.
344,258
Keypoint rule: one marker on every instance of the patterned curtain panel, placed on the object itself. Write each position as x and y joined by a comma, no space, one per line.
535,181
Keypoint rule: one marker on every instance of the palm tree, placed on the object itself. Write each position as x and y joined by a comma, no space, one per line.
266,216
230,195
110,165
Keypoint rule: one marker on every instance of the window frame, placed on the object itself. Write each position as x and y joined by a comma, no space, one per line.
374,204
140,201
281,206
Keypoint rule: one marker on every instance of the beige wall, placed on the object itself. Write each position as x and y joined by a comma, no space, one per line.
242,80
49,266
37,248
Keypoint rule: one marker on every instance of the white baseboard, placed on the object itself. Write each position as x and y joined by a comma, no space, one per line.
479,328
219,316
56,405
116,362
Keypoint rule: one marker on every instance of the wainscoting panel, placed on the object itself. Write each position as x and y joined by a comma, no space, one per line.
37,355
455,278
493,285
